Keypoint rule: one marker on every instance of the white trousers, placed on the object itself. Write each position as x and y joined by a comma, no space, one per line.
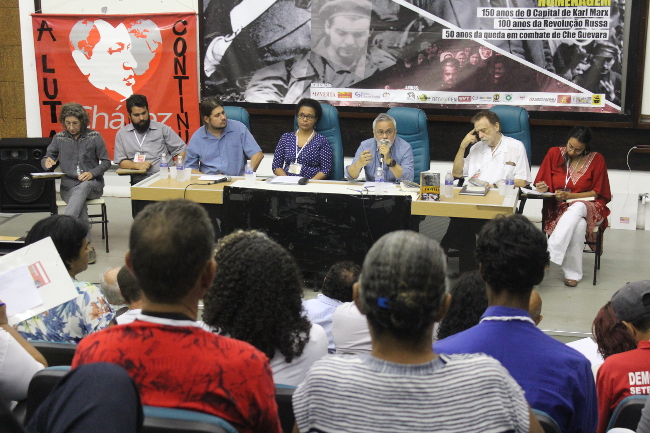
566,243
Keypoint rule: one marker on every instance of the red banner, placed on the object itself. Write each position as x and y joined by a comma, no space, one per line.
100,60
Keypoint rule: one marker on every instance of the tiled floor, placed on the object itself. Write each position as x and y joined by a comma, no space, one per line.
626,258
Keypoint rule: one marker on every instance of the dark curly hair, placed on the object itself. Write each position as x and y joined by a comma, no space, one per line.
76,110
67,233
256,295
512,254
611,336
468,303
311,103
402,284
339,281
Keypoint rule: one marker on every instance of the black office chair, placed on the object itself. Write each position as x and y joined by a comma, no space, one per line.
169,420
41,386
55,353
548,424
284,397
628,412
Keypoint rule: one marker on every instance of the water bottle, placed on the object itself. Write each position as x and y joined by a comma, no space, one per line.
78,170
380,185
449,185
249,174
180,169
510,183
164,166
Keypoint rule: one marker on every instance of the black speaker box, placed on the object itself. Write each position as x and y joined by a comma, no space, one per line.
19,193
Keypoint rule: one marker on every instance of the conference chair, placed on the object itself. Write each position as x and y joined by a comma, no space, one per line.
515,124
102,215
238,113
628,412
548,424
412,127
328,126
55,353
41,386
283,397
169,420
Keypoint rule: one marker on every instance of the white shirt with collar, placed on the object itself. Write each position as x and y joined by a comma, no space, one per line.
493,166
320,311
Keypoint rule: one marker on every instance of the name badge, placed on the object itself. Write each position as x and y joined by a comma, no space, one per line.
295,168
139,157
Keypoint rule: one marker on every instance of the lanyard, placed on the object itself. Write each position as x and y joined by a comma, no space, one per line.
303,147
568,171
507,319
136,139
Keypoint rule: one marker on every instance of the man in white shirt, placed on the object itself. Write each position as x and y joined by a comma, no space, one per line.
489,159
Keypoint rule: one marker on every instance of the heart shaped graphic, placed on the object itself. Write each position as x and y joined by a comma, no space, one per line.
116,60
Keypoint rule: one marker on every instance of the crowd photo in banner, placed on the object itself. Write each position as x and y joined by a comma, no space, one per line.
100,60
542,54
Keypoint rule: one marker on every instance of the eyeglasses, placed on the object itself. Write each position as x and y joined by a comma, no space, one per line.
306,116
387,132
573,149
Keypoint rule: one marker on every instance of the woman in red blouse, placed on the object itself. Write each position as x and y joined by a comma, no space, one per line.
578,177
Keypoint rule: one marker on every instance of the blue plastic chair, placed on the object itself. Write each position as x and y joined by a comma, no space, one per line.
328,126
548,424
412,127
54,352
238,113
515,124
284,397
171,420
41,386
628,412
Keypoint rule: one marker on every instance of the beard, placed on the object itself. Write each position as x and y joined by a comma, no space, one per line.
142,127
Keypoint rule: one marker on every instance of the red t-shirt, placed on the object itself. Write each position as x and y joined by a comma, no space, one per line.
179,365
620,376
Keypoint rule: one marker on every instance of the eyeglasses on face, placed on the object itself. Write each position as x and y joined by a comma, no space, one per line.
306,116
386,132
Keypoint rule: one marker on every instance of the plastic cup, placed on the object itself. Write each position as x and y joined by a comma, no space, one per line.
172,172
188,173
502,187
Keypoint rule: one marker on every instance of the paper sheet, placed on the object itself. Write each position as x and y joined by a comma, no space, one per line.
589,349
535,192
285,180
18,290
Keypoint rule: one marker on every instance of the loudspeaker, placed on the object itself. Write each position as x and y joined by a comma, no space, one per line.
19,193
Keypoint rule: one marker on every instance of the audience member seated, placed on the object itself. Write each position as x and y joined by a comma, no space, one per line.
96,397
111,289
173,361
305,152
403,385
611,336
89,311
337,289
19,360
350,330
557,379
256,297
644,422
535,307
622,374
132,296
468,303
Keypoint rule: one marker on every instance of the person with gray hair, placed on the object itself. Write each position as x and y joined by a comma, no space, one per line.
402,292
386,150
82,154
110,287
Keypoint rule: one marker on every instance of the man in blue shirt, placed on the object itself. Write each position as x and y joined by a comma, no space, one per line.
221,146
385,150
556,379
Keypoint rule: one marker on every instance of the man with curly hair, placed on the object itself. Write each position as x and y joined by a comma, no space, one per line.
82,154
556,379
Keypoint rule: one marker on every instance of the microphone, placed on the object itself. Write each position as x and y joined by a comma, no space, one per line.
223,179
387,143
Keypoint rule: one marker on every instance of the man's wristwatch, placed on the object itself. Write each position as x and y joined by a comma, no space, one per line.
393,163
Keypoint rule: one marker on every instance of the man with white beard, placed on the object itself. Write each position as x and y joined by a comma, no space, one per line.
385,150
